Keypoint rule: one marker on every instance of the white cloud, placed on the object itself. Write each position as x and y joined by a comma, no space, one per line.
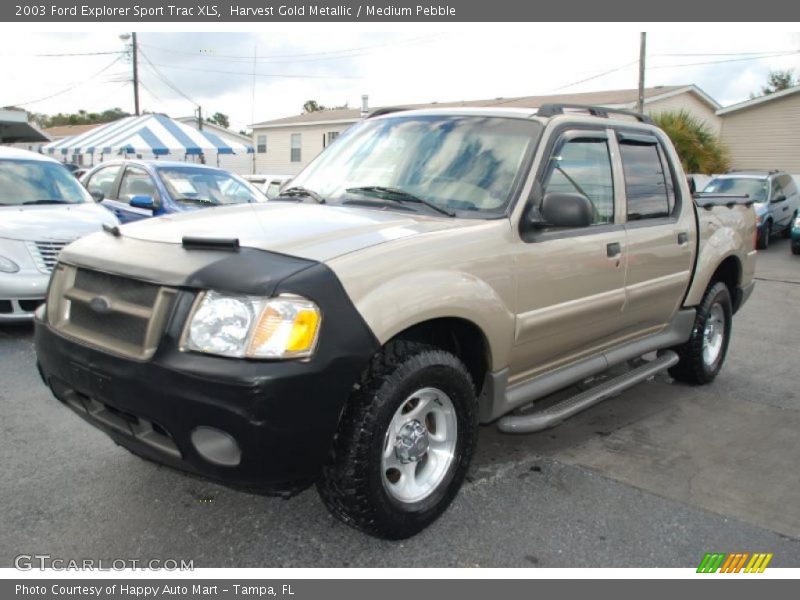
402,65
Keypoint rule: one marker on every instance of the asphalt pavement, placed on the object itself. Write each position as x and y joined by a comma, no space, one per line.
656,477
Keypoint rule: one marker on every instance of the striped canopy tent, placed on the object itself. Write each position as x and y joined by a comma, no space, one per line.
149,134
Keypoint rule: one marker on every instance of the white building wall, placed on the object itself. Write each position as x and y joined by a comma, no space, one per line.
765,136
277,159
690,103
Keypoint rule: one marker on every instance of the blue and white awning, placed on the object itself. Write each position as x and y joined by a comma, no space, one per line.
156,134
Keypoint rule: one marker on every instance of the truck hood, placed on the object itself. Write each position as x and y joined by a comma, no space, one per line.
61,222
308,231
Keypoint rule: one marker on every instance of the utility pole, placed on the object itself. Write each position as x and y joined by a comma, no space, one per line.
200,118
642,53
135,48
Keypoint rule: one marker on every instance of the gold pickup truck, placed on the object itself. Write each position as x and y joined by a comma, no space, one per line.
429,271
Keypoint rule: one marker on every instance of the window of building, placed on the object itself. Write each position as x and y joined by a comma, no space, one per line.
261,144
296,155
329,138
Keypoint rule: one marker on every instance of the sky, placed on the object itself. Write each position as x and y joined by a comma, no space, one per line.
336,65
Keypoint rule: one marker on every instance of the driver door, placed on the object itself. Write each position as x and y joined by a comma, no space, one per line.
571,282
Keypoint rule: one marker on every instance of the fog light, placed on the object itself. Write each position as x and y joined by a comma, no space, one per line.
216,446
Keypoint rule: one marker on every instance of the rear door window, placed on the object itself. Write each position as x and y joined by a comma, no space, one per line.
646,180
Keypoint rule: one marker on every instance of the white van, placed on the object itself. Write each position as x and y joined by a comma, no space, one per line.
42,209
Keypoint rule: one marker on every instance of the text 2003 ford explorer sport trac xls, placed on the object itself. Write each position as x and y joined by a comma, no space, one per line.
429,271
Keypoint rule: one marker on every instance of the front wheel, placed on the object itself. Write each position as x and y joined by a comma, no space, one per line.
404,443
702,356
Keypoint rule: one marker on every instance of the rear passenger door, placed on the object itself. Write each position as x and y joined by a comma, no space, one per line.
661,233
135,182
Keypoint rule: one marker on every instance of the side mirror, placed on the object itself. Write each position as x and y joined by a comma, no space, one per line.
144,202
98,195
692,184
567,209
780,198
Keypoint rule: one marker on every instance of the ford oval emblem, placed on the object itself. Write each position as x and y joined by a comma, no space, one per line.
100,304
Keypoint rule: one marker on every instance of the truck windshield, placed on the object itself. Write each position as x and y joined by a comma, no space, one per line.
196,186
30,182
467,165
755,188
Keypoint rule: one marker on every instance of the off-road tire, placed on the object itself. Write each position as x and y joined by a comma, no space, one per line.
352,485
692,368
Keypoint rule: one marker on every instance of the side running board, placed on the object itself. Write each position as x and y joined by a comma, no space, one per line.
555,414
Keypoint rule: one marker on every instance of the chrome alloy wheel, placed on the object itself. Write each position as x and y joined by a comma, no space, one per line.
419,445
713,334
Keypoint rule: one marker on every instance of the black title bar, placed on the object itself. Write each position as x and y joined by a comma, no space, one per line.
265,11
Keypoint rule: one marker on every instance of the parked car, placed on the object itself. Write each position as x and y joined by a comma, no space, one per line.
42,209
432,270
137,189
776,196
269,185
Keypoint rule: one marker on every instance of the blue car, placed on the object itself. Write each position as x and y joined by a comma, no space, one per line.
138,189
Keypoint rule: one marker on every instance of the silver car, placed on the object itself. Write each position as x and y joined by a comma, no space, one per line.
776,199
42,209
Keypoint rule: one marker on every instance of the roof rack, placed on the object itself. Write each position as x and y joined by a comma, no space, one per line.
386,110
551,110
767,171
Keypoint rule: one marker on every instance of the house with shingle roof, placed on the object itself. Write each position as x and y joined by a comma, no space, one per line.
288,144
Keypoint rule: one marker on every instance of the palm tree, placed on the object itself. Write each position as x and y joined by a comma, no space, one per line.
699,149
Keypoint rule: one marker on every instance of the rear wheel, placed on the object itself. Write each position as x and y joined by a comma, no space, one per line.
702,356
765,234
787,233
404,444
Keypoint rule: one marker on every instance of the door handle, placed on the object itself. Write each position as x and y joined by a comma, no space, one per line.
683,238
613,250
785,208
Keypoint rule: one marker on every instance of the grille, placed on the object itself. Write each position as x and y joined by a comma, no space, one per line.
122,315
45,254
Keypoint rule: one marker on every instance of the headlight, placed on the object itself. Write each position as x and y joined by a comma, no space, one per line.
7,265
797,223
253,327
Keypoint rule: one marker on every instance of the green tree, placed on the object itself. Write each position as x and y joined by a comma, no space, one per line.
697,146
313,106
777,81
220,119
82,117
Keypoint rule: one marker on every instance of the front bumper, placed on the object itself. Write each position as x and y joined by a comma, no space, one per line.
20,294
282,415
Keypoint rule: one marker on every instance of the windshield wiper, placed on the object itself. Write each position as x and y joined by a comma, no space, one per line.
197,200
47,201
398,195
300,191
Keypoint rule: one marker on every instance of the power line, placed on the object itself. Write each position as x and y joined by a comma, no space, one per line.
603,74
73,86
723,53
302,57
717,62
164,79
251,74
